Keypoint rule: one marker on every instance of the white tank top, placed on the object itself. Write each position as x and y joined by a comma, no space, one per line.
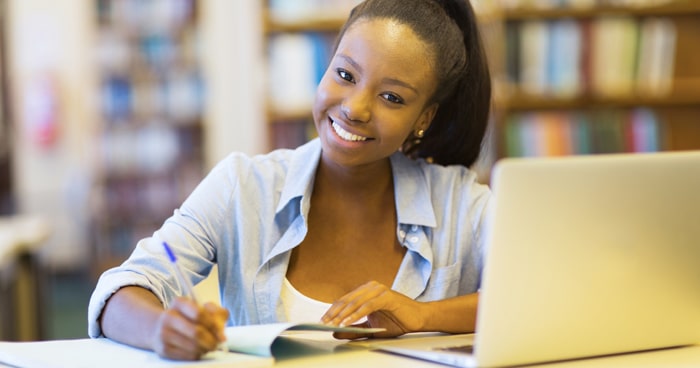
299,307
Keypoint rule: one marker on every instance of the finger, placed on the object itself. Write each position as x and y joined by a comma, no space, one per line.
354,335
187,307
215,320
346,304
354,313
393,327
192,331
179,349
171,343
349,309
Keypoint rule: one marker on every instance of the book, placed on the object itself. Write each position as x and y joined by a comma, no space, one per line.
657,51
300,11
564,54
614,61
555,133
533,49
292,73
258,339
512,51
292,133
297,62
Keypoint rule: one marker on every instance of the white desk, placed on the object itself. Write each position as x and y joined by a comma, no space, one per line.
106,354
688,357
21,277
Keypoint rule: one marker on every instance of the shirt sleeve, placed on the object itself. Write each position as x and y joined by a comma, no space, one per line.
142,269
192,235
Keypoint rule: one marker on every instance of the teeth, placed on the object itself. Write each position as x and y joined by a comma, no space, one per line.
347,135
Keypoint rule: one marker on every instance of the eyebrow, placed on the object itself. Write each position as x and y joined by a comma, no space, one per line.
393,81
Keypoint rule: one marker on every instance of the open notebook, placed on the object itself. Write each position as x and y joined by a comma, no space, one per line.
588,256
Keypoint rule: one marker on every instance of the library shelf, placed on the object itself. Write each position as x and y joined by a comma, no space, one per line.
532,79
557,12
150,135
524,102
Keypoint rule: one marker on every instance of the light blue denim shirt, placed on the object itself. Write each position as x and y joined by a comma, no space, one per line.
250,212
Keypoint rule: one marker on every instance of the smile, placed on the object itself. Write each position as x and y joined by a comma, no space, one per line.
345,135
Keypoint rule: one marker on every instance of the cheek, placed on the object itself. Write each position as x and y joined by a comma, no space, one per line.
324,95
396,123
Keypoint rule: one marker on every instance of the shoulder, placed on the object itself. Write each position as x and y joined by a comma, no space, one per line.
235,162
440,195
445,178
238,166
458,187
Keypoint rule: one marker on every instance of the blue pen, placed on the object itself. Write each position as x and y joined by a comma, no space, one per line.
184,282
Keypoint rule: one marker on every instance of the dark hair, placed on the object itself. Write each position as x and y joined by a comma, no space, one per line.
450,28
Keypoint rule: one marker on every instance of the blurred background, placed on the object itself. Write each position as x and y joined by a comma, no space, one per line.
111,111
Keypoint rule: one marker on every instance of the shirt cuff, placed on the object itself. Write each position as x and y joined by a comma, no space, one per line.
109,283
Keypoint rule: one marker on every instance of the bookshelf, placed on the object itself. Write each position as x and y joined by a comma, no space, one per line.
150,154
586,77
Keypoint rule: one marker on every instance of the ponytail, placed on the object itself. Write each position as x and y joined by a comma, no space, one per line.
457,131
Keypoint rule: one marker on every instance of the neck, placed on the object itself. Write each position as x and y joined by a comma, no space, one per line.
360,182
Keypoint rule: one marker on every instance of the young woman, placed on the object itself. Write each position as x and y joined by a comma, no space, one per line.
377,222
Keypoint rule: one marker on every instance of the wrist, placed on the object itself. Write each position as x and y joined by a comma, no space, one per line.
453,315
426,318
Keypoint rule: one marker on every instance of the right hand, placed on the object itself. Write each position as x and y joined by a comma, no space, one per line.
186,331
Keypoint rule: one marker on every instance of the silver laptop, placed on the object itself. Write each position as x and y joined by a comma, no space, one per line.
588,256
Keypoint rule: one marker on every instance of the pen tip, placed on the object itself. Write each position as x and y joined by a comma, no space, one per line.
171,255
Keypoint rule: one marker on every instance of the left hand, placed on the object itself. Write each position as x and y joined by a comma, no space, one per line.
383,307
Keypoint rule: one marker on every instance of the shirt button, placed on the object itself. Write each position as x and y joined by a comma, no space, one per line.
413,239
402,234
414,228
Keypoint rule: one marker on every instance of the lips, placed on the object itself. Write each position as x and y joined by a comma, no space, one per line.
345,135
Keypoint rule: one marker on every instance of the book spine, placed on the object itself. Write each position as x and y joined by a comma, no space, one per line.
607,57
569,133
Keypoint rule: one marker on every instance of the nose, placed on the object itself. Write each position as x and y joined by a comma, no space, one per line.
356,107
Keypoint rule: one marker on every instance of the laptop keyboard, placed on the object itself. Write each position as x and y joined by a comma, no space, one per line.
468,349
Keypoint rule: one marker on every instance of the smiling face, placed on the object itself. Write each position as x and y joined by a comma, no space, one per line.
374,94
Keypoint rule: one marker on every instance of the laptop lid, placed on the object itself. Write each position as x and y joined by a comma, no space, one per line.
590,255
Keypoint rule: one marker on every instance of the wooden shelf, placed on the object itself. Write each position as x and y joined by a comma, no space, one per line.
660,122
311,24
521,102
688,7
281,117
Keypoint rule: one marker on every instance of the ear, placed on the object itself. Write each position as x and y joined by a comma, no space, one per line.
427,116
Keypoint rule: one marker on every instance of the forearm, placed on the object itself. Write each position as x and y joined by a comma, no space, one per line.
130,316
453,315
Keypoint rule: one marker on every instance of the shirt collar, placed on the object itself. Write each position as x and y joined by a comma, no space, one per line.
301,173
411,188
412,192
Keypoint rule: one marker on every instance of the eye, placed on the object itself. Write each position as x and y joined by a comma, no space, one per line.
342,73
393,98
